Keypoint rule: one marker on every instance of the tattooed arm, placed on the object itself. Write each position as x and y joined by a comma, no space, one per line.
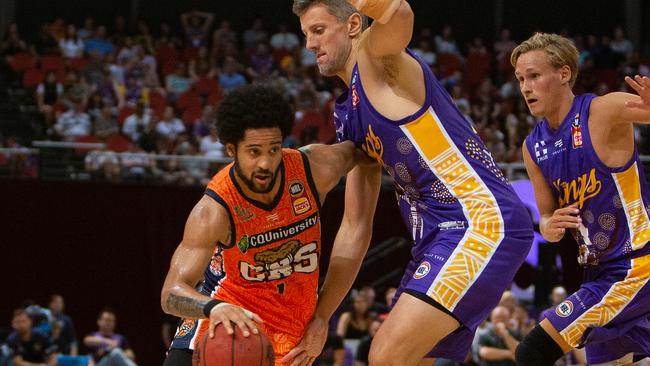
206,225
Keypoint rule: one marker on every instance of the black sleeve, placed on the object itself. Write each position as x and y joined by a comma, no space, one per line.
336,342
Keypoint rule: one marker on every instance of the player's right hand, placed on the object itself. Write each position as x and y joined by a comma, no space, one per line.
562,219
227,314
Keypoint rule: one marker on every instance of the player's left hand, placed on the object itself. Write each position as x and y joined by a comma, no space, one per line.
311,344
641,84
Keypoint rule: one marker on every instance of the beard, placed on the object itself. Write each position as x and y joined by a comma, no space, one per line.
250,182
337,64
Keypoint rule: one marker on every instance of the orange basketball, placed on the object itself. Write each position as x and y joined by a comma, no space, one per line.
234,349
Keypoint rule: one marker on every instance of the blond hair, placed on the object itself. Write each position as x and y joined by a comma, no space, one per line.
560,51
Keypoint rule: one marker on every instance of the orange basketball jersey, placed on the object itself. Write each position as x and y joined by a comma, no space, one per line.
270,266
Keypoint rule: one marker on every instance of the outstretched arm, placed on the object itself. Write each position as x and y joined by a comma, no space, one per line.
619,107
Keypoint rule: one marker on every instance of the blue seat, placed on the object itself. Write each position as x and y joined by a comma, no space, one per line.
64,360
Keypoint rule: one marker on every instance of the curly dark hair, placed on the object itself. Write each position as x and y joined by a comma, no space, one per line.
252,106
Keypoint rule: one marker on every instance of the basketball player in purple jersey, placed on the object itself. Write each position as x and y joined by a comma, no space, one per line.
470,231
588,179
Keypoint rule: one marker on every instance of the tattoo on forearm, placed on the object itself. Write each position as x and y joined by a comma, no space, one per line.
186,306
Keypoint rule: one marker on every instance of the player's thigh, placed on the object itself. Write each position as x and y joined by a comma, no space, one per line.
412,328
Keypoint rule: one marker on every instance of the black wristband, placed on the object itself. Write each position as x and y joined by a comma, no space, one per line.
207,308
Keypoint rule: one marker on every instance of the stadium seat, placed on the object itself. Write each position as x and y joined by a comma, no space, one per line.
117,143
52,62
64,360
22,61
32,78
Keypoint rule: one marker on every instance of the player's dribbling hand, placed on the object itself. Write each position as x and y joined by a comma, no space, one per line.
311,344
641,84
562,219
227,314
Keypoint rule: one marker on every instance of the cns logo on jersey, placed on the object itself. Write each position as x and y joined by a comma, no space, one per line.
280,262
564,309
422,270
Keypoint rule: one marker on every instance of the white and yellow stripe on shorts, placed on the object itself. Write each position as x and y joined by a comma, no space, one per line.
616,299
485,223
629,190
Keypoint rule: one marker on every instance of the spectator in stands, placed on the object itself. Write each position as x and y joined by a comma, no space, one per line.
201,127
211,146
73,123
333,352
67,338
71,45
445,42
498,343
196,25
221,37
521,321
119,30
48,94
27,346
178,82
354,324
99,42
135,124
255,35
425,52
620,44
231,78
75,90
88,30
284,42
12,43
44,43
104,117
361,357
170,126
389,295
262,63
107,347
375,307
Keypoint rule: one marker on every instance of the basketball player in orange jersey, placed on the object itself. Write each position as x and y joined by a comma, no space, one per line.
254,237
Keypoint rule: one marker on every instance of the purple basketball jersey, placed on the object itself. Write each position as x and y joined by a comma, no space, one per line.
614,203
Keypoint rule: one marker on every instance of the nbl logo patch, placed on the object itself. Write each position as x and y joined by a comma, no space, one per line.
422,270
564,309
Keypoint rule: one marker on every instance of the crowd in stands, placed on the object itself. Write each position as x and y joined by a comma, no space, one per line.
47,336
154,89
43,335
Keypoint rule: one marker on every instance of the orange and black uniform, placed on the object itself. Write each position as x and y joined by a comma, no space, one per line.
270,265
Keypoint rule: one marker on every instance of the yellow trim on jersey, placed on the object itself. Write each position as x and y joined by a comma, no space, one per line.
485,223
616,299
629,190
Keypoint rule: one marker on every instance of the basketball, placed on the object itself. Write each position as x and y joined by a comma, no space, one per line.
234,349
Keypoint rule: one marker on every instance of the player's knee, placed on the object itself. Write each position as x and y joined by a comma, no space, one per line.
381,354
538,349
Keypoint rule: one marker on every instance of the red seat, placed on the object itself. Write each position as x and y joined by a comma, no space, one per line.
22,61
206,86
85,139
190,115
215,98
32,78
78,63
52,62
117,143
449,63
189,100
